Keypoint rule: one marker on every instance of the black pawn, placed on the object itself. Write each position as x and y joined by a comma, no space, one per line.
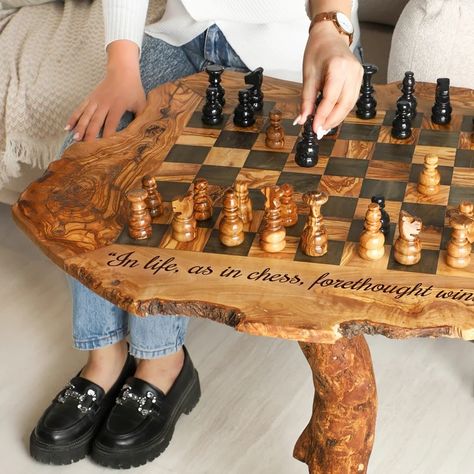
307,149
367,105
255,79
212,110
408,90
385,220
401,125
214,72
243,113
441,110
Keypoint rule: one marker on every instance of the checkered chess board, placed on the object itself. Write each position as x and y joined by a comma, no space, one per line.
360,161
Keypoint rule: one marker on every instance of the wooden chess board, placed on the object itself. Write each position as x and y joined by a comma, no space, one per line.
312,298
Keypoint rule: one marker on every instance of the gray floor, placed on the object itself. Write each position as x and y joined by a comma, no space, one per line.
257,392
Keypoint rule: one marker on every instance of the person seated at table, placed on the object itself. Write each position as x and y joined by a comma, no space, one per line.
128,425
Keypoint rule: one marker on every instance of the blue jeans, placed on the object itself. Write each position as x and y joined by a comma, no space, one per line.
96,321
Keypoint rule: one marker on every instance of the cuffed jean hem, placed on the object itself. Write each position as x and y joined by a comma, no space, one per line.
98,342
156,354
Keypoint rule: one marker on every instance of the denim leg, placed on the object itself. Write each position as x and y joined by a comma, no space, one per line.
156,336
95,321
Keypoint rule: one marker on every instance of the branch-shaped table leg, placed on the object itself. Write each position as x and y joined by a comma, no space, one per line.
340,434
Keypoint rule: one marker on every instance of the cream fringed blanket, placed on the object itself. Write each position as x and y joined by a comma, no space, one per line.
51,57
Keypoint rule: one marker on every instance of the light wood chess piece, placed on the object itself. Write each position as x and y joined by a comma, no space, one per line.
289,210
459,248
231,227
466,208
243,202
202,201
314,238
183,225
407,249
372,240
428,183
139,219
153,201
273,235
275,135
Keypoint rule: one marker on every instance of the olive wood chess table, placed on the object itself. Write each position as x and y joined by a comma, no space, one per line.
75,214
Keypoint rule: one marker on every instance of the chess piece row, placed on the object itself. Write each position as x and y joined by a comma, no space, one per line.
250,98
406,103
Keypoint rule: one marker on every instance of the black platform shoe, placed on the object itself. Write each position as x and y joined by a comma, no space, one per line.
64,433
141,424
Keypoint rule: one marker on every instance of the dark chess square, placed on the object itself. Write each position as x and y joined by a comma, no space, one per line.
460,193
301,182
427,264
354,131
266,160
464,159
340,206
346,167
391,190
196,122
219,175
395,153
188,154
467,123
390,116
430,214
230,139
170,190
446,173
333,256
258,199
214,245
438,138
326,145
297,229
159,231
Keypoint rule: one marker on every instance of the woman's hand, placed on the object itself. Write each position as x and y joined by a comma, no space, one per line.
329,66
120,91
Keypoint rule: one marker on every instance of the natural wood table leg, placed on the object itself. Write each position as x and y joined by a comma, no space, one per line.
340,434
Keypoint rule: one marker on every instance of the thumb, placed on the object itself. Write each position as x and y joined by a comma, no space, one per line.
311,86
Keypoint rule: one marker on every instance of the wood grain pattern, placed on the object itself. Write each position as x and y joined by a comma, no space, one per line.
340,434
75,212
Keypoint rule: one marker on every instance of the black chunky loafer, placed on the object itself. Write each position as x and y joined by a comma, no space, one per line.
65,431
141,424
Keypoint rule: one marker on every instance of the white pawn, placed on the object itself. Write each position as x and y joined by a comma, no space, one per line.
430,178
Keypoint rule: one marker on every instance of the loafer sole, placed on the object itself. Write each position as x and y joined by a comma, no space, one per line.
59,454
134,457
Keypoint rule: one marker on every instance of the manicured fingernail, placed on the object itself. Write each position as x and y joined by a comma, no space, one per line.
297,120
320,132
76,136
67,127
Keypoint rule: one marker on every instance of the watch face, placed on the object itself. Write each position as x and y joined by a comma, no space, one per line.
344,23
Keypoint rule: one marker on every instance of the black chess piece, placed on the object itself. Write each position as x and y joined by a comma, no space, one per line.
307,149
255,79
212,110
243,113
385,220
367,105
441,110
408,93
214,72
401,125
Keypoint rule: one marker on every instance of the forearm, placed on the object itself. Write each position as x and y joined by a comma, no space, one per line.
320,6
124,24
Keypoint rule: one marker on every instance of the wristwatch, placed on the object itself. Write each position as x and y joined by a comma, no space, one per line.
342,23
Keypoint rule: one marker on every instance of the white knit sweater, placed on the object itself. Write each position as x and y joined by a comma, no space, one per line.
267,33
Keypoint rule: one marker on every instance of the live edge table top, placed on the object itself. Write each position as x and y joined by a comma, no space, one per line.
76,213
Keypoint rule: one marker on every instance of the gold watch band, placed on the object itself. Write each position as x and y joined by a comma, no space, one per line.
330,16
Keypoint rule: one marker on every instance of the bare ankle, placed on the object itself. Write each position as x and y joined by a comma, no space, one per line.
161,372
